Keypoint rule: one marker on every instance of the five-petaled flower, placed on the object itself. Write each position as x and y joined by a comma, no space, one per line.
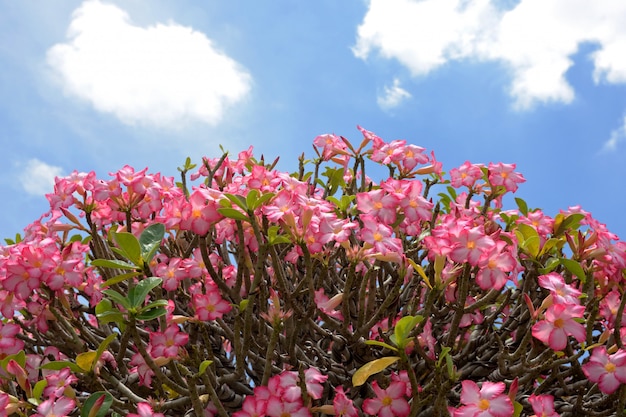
608,371
486,401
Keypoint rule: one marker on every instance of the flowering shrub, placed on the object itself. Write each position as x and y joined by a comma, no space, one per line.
246,291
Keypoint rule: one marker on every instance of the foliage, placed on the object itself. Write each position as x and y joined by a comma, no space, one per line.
259,293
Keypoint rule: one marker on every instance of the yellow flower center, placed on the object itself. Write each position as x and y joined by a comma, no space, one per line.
610,367
483,404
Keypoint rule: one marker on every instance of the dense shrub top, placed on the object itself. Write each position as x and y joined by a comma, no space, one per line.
242,290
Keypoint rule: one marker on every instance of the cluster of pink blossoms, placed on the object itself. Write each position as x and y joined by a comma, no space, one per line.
385,223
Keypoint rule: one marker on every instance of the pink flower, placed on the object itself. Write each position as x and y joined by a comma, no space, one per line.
389,402
470,245
559,323
488,401
503,174
313,380
378,203
543,405
343,405
561,292
278,407
608,371
467,175
379,236
210,306
58,382
59,408
144,410
252,407
201,211
168,342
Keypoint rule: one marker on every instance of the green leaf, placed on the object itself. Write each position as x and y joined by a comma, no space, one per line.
137,294
97,405
151,314
381,344
150,240
154,304
106,313
234,214
518,408
118,298
110,263
403,328
551,244
574,267
19,357
532,245
251,198
103,346
274,238
521,204
58,365
119,278
38,388
237,199
86,360
444,352
551,264
129,245
360,376
527,231
204,365
260,201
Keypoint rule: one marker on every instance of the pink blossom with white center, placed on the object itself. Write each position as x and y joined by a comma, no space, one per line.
470,244
210,306
200,213
278,407
414,206
9,344
171,273
543,405
537,219
503,174
378,203
252,407
389,152
167,343
58,382
328,306
389,402
562,293
55,408
494,268
141,368
342,405
608,371
379,236
487,401
558,324
313,380
465,175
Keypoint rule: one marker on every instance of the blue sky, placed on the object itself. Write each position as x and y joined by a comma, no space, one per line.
96,85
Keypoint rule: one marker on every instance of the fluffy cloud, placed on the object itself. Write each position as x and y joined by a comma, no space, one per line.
392,96
37,177
162,75
535,39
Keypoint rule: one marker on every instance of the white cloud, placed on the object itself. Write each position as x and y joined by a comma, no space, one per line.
535,39
37,177
617,136
392,96
162,75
